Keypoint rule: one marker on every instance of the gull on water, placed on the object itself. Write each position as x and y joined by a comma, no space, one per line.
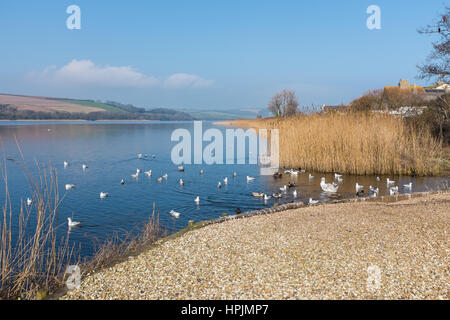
159,179
70,186
311,201
84,166
294,193
148,173
328,187
219,185
181,182
408,186
29,202
65,164
358,187
165,176
197,200
250,178
283,188
310,176
103,195
225,180
122,181
72,223
337,176
389,182
174,214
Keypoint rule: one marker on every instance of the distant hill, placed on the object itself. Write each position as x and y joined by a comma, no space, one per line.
43,108
232,114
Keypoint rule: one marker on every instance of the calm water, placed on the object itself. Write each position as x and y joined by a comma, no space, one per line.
110,151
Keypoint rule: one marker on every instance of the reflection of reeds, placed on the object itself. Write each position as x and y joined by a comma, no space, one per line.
353,143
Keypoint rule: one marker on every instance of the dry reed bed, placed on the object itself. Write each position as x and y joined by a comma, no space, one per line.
353,143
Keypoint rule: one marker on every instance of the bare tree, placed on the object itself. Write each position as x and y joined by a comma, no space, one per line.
283,104
438,62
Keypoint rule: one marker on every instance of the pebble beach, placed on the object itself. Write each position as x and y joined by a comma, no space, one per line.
360,250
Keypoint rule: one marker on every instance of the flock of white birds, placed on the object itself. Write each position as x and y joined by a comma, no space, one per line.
326,187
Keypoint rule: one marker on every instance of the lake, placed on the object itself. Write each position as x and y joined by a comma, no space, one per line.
110,150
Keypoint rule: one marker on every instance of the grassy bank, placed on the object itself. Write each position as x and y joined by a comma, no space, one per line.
353,143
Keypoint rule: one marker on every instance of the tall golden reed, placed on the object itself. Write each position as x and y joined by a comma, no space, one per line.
353,143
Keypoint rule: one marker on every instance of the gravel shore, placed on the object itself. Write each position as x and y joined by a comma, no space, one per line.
364,250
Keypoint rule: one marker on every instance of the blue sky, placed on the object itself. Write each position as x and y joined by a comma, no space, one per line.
210,54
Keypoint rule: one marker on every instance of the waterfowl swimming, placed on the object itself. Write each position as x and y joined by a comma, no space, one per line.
139,155
84,166
165,176
258,194
138,170
103,195
66,164
135,176
337,176
69,186
197,200
277,175
148,173
145,155
408,186
266,197
29,202
283,188
294,193
180,168
291,184
122,181
175,214
311,201
277,195
181,182
153,156
250,178
225,180
72,223
159,179
310,176
328,187
340,180
219,185
201,171
358,187
238,210
389,182
234,174
378,179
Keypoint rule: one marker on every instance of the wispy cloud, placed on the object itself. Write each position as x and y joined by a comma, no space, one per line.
87,73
